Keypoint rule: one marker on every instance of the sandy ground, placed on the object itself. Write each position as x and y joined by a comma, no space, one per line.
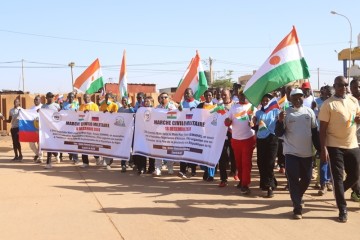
67,202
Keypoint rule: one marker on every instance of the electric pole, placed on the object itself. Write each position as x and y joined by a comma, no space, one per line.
211,69
22,75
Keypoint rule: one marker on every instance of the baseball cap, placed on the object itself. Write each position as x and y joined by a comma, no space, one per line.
296,91
49,94
305,85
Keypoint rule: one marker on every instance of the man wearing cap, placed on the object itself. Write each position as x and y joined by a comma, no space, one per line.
308,98
297,125
50,104
338,118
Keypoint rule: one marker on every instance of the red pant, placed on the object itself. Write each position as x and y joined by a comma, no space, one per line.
243,151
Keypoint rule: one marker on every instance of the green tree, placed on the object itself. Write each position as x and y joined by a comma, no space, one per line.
224,81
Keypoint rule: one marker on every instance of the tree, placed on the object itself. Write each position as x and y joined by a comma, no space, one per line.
224,81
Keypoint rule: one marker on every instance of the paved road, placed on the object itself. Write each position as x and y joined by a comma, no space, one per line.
67,202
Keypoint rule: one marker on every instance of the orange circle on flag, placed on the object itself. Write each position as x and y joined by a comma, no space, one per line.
274,60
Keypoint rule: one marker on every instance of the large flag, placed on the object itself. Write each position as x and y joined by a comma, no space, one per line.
285,64
91,80
193,78
28,126
123,78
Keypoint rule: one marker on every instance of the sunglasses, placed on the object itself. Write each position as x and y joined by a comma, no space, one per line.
342,84
165,97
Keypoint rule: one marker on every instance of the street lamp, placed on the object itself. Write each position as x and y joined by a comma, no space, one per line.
335,13
71,65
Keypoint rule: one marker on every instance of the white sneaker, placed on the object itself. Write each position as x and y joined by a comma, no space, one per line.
108,167
48,166
85,165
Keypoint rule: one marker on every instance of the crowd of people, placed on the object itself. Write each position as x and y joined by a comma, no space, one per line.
304,134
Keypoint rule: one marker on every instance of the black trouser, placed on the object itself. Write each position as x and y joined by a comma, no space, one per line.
15,141
232,159
341,160
151,165
48,159
184,165
85,159
280,154
224,160
356,186
140,163
266,154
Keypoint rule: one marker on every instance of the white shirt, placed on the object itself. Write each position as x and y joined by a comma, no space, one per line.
36,107
240,122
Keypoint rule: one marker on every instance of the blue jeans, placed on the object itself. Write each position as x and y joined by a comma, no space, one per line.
325,174
298,172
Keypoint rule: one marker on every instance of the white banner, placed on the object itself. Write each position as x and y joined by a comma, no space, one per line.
94,133
195,136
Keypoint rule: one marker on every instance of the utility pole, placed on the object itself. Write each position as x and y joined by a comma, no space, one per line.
318,73
22,75
211,69
71,65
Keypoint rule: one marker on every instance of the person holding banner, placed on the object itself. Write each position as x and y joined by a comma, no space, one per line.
71,105
226,104
209,172
125,108
34,146
50,104
87,106
139,100
165,103
111,107
141,160
14,120
267,142
243,139
189,102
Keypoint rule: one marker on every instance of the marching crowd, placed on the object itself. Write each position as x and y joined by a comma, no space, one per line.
308,132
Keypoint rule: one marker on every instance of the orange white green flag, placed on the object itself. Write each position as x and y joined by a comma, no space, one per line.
285,64
91,80
123,78
193,78
283,103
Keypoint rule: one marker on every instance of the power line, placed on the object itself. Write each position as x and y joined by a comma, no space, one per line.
151,45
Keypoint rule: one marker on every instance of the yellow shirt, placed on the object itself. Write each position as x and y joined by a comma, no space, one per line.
340,114
89,107
112,107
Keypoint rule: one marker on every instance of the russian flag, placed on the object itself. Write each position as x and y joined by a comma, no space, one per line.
273,103
28,126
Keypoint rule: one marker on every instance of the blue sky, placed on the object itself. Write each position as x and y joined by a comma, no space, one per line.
161,37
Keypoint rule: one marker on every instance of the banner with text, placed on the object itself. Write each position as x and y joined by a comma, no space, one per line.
94,133
195,136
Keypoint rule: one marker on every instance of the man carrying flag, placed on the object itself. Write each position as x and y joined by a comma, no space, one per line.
285,64
91,80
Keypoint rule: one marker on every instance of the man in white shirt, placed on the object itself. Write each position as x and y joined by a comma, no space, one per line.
34,146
